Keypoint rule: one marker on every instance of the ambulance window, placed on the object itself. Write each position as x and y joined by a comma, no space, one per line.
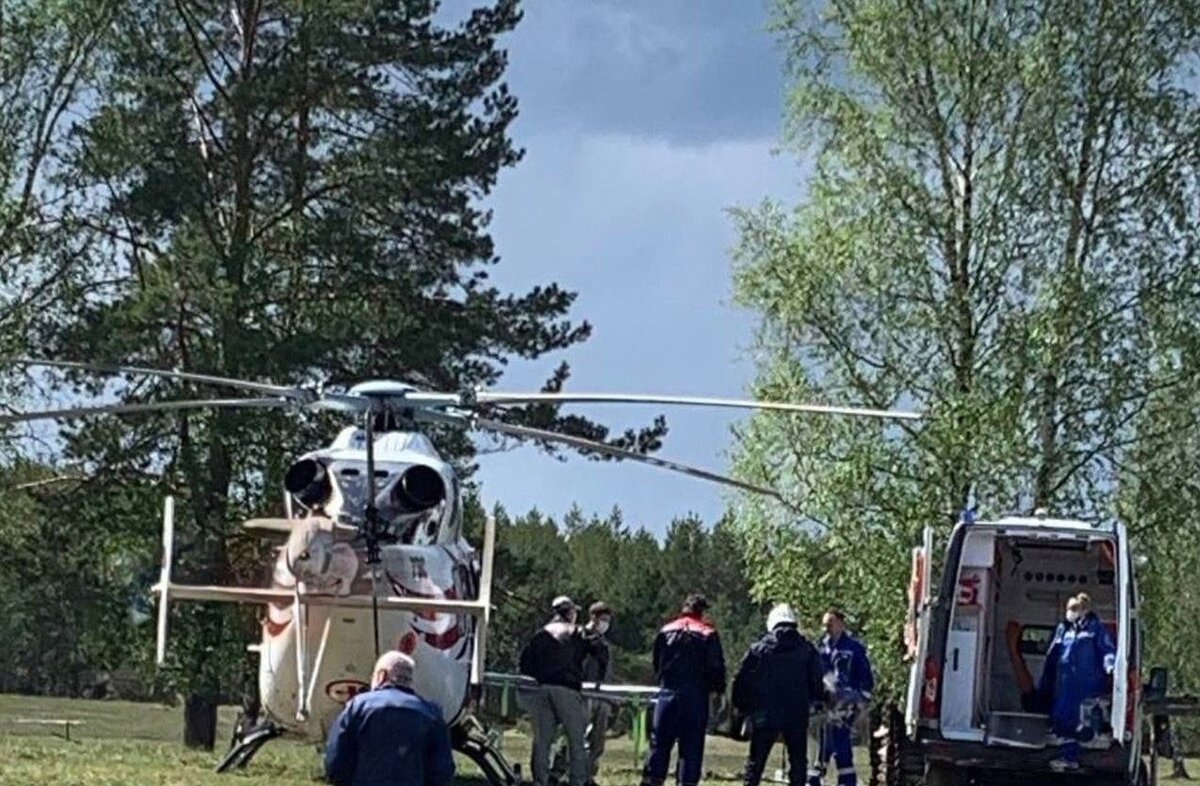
1035,639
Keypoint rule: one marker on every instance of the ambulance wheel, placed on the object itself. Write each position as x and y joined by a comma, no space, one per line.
895,761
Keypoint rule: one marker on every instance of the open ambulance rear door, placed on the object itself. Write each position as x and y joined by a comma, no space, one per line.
916,631
1127,682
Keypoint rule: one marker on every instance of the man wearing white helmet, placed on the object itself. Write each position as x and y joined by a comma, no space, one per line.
778,680
554,657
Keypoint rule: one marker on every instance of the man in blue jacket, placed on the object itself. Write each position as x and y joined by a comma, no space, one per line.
1078,665
849,681
779,679
690,665
390,736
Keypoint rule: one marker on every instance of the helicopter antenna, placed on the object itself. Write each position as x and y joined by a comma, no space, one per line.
372,529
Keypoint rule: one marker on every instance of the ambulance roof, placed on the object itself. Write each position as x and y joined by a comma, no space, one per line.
1046,523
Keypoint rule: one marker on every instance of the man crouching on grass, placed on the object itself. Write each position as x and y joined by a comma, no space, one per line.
389,736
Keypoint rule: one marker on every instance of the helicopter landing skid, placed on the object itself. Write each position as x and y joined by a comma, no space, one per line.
471,740
246,745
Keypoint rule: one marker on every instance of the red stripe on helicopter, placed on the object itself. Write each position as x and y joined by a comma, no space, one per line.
439,641
275,628
270,625
444,641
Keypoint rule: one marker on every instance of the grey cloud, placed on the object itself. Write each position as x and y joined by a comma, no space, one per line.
688,72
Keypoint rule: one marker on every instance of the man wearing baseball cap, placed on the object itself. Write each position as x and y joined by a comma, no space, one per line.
554,658
597,671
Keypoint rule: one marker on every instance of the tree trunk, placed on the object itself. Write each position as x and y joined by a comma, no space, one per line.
200,722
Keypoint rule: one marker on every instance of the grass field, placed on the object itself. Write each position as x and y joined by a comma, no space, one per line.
120,743
124,743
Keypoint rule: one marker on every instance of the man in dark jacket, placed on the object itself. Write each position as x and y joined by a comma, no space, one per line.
554,658
778,680
390,736
690,665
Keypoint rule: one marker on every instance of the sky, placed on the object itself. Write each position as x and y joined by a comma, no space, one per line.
643,123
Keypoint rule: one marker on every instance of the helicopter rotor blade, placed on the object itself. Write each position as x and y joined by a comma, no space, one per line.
485,397
70,413
526,432
298,394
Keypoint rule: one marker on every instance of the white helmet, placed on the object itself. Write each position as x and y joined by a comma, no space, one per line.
782,614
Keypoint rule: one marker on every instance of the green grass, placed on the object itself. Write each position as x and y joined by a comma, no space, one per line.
126,743
122,743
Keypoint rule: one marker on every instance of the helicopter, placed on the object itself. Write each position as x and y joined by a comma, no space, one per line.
374,556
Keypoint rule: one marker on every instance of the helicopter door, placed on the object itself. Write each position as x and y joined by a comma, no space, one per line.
1122,731
916,628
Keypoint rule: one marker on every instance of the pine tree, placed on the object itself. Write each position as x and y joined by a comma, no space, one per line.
287,190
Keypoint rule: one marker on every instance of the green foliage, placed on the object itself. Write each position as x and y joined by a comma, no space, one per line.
285,191
48,51
1161,497
599,558
995,233
66,598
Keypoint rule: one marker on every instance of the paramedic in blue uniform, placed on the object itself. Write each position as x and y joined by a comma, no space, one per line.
1079,664
690,666
389,736
849,682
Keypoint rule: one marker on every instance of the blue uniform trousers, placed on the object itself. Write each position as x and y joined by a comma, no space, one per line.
679,717
836,744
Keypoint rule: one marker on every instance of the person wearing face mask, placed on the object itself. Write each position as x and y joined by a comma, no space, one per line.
554,658
598,670
1078,664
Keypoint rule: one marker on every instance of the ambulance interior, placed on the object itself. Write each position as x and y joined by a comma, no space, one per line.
1013,588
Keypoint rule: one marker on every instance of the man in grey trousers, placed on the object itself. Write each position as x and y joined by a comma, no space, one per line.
598,671
554,658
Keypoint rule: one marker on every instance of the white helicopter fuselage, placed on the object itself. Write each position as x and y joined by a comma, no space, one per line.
329,612
339,643
330,652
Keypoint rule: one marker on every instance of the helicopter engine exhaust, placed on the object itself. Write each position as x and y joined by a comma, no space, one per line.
308,481
419,489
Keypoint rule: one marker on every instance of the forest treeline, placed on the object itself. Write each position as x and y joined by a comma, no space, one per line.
76,610
999,230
